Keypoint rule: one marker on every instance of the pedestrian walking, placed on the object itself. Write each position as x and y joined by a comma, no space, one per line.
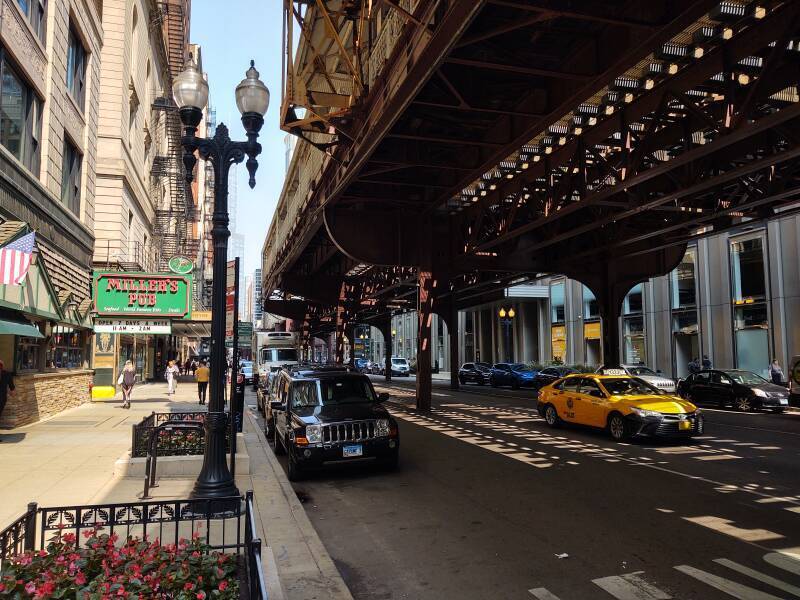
127,378
172,376
202,376
6,386
186,366
193,366
775,372
706,362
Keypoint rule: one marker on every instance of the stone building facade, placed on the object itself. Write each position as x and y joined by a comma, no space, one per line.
49,93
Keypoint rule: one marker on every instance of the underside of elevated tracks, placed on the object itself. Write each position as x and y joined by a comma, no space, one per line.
501,140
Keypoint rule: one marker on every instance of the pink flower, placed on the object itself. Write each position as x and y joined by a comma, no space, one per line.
80,578
30,587
223,585
201,596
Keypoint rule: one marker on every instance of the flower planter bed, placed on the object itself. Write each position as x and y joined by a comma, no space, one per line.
171,443
180,549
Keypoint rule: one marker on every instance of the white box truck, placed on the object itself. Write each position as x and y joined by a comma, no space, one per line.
273,350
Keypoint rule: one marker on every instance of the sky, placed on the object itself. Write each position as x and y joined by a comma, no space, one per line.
231,33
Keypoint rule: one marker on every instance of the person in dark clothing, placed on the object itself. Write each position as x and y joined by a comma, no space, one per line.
694,366
6,386
706,362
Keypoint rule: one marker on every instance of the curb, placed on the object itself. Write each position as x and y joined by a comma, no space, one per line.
336,588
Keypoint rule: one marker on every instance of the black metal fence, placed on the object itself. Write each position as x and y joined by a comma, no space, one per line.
225,525
171,442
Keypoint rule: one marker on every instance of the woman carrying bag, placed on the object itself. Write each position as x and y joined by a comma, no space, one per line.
127,379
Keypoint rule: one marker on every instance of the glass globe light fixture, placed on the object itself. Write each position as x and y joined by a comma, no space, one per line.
252,96
190,88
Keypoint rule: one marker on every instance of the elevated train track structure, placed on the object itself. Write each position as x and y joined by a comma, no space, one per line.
489,142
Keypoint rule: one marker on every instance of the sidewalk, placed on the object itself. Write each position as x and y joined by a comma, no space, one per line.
69,459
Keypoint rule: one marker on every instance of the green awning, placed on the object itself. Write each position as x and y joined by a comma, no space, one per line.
19,328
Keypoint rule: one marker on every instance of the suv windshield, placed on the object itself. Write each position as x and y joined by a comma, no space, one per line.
628,386
636,371
350,390
399,361
483,366
745,377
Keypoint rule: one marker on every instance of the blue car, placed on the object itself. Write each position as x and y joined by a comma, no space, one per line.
514,374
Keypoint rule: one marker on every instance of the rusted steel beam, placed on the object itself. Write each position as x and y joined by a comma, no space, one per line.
519,69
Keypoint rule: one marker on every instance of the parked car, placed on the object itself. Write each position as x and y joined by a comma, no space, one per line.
363,365
400,366
474,372
743,390
246,369
550,375
623,405
513,374
322,417
647,374
794,381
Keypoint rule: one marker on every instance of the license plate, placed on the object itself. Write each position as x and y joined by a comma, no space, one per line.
684,425
783,401
352,451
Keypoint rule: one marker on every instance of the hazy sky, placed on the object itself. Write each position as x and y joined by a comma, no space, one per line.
231,32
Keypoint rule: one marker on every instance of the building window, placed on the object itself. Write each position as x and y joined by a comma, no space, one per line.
591,310
633,326
557,311
20,116
71,178
76,68
27,354
34,11
67,348
750,311
685,331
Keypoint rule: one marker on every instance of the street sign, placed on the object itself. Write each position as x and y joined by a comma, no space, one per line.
154,295
148,326
244,333
180,265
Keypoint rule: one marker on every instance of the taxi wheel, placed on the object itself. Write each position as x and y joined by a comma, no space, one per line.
743,403
551,416
617,427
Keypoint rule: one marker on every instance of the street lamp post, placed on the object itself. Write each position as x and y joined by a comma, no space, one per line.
252,98
506,318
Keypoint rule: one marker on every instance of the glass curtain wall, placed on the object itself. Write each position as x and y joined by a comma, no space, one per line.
635,348
750,308
591,328
685,331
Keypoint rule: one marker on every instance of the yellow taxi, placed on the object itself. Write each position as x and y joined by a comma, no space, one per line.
623,405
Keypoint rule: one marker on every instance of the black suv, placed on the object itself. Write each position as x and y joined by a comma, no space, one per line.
324,417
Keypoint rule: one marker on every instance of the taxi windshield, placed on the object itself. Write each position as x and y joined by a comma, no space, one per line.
628,386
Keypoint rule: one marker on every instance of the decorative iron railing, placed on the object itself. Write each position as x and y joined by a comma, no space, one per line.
225,525
171,442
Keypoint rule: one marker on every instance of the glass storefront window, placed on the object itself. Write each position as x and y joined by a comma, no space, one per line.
27,354
66,349
634,301
591,310
683,282
557,311
750,312
635,350
747,262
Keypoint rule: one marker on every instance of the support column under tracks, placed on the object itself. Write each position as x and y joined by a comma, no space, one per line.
427,284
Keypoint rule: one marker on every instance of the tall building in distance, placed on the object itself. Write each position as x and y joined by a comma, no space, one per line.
247,314
236,240
257,311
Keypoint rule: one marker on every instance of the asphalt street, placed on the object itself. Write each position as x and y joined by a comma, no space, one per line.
491,503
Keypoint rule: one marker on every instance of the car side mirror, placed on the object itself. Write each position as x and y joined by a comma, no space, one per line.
383,396
277,405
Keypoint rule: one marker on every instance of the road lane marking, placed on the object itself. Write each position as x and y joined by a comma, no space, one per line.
785,559
717,457
776,499
725,526
759,576
630,587
543,594
737,590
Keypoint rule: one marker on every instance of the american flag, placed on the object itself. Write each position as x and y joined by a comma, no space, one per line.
15,259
